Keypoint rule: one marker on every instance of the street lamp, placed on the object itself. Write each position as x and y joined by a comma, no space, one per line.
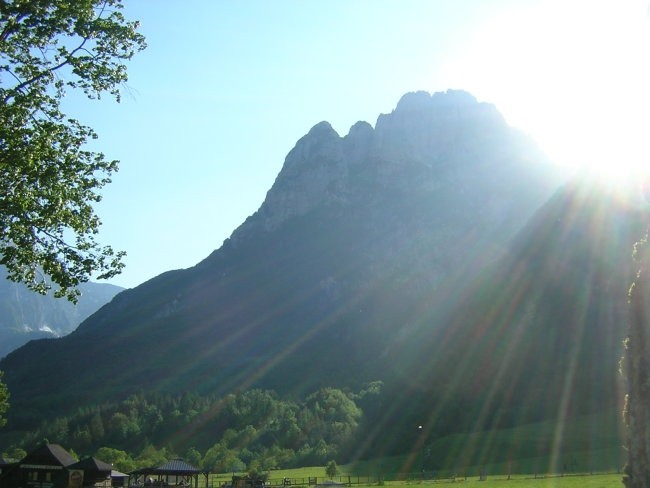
421,442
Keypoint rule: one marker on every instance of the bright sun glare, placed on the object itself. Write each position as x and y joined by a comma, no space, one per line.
574,75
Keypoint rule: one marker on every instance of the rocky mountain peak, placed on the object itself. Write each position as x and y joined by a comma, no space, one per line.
428,130
358,143
422,101
414,101
313,171
433,104
311,150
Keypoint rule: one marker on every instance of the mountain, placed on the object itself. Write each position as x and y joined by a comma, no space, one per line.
560,290
363,254
538,334
25,315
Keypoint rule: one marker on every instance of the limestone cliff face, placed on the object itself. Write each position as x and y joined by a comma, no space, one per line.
314,172
435,130
431,194
453,162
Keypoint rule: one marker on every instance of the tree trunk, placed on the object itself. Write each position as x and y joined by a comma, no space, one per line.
636,365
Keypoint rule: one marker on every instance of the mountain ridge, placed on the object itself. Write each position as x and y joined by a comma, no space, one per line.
25,315
363,243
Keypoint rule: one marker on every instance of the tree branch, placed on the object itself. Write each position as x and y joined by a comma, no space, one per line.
12,92
9,28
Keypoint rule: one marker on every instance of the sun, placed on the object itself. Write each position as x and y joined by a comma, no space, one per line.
573,75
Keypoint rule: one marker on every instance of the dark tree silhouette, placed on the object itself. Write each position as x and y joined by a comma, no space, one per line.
637,372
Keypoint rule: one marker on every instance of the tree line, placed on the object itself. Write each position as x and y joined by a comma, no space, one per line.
254,430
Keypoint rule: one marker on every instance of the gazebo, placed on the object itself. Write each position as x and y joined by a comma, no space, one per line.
173,473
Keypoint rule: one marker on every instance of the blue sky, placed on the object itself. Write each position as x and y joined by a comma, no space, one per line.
225,89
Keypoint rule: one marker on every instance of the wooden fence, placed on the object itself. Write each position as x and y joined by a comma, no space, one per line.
217,481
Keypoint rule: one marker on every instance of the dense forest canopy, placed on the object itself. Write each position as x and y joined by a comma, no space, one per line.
254,430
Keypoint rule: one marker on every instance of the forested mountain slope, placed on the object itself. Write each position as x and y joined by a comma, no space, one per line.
25,315
357,266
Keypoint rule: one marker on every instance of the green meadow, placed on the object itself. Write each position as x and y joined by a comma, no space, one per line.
589,444
595,481
495,481
586,452
590,455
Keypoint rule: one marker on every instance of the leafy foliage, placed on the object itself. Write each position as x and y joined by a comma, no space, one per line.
253,430
331,469
119,459
48,180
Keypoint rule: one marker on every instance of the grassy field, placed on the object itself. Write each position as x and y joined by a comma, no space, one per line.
492,481
515,481
587,444
595,481
591,444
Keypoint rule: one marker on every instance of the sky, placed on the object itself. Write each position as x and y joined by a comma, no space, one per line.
226,88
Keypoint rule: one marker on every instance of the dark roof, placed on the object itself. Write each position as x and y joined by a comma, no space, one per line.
92,464
7,461
147,470
49,455
174,467
177,466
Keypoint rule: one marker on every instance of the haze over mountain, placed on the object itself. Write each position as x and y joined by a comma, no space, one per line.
423,252
25,315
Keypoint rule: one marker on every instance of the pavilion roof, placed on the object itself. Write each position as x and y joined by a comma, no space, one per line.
177,466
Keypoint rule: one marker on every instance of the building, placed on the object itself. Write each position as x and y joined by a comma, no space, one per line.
51,466
173,473
90,472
